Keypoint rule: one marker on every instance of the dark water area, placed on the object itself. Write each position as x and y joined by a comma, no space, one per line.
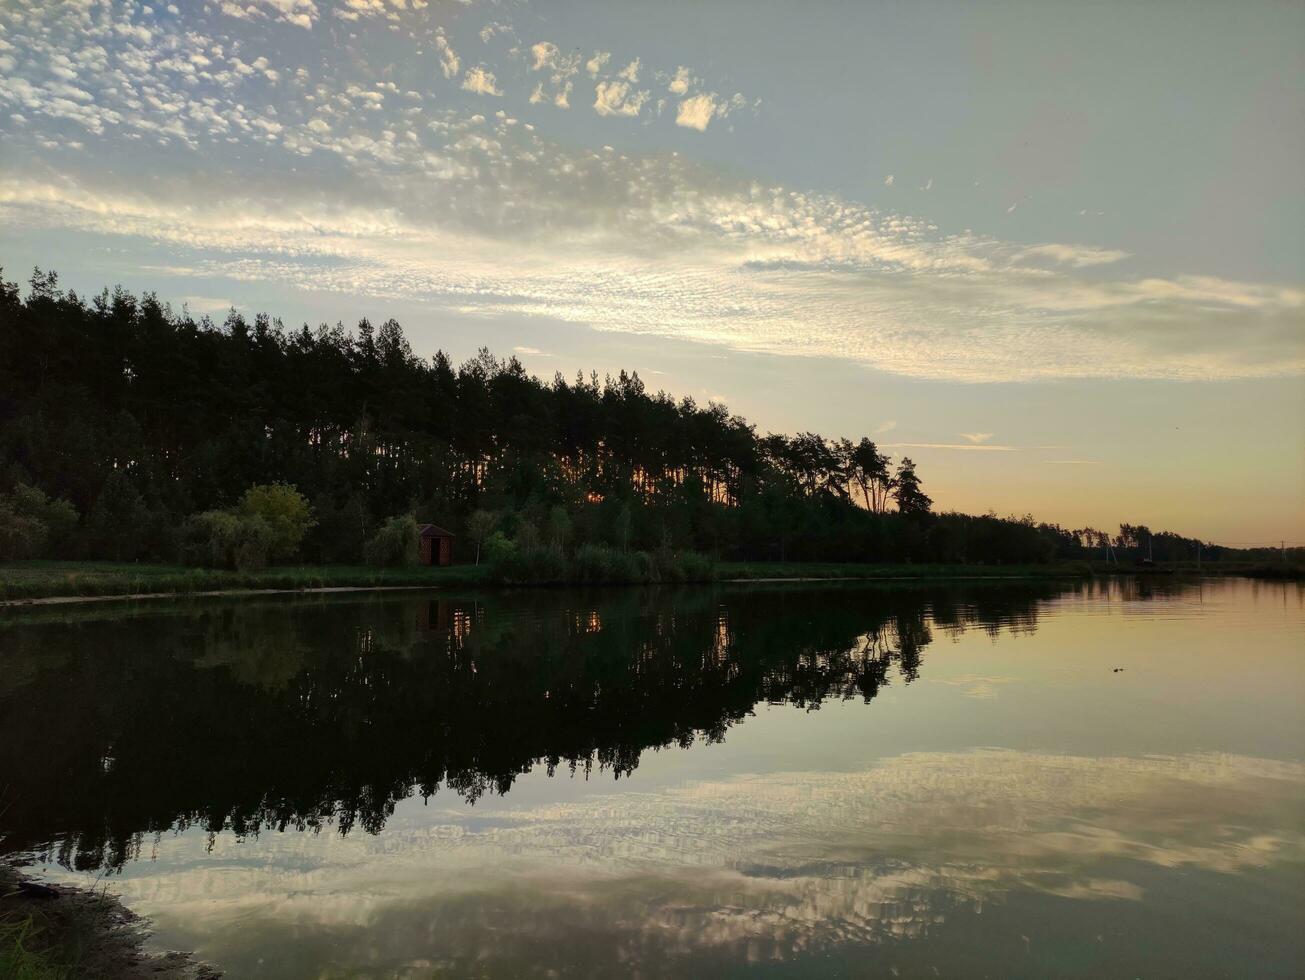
997,778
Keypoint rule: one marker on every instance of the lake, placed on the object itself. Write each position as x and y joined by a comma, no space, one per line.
998,779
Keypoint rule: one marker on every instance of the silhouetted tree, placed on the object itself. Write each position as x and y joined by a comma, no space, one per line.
906,491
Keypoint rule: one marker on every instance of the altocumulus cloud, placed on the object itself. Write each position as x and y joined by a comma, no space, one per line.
351,178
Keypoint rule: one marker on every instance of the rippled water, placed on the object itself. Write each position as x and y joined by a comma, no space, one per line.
1002,779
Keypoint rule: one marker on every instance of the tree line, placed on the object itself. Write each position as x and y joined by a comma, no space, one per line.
132,431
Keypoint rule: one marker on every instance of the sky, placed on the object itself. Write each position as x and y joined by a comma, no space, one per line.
1052,251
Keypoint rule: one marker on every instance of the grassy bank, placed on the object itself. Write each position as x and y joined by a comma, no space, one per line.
49,579
734,571
41,579
1070,569
64,933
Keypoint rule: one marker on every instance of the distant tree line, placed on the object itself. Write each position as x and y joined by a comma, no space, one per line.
131,432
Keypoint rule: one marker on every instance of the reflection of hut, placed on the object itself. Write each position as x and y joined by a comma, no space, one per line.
436,546
433,615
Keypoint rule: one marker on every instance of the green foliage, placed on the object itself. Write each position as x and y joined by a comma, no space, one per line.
20,956
498,546
32,525
396,544
223,539
689,566
286,513
341,531
599,564
534,565
479,526
595,564
21,536
117,522
559,527
621,527
36,579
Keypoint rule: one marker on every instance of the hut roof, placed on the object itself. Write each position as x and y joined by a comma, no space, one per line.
434,531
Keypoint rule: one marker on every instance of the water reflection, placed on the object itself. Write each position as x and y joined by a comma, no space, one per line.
254,715
934,850
1008,808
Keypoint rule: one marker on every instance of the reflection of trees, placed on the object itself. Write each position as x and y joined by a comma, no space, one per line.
243,717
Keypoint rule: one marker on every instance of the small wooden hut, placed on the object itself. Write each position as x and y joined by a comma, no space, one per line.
436,546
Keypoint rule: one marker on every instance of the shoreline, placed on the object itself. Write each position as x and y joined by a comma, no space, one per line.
58,600
39,583
51,930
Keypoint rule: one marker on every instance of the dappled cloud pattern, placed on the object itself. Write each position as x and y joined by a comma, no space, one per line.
761,868
419,182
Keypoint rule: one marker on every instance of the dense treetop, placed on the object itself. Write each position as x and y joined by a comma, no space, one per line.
139,416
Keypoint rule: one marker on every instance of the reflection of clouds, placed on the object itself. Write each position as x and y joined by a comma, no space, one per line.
976,685
762,866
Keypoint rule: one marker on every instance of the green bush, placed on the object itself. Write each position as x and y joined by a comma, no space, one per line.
117,520
601,565
395,545
33,525
221,539
594,563
284,510
685,566
21,536
537,565
498,547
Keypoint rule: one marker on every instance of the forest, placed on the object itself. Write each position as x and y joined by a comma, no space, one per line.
130,431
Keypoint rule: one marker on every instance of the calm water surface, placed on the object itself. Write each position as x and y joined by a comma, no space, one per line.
990,779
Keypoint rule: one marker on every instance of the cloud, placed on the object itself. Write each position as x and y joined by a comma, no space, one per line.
1078,256
547,57
493,29
450,64
697,111
957,445
480,81
301,13
682,81
365,190
531,351
630,72
976,437
597,63
616,98
208,304
883,427
888,181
